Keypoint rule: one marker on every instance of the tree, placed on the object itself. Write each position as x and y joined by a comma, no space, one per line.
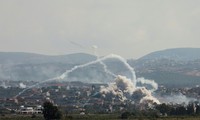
51,112
164,108
191,108
125,115
198,110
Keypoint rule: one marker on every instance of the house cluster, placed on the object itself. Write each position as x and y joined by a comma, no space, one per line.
30,110
74,97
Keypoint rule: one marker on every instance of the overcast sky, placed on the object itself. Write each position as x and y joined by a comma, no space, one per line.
130,28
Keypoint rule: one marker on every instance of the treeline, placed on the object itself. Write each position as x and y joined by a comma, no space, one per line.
193,108
165,110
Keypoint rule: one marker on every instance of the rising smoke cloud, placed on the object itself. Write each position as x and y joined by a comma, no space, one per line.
3,84
124,89
99,60
153,84
176,99
22,85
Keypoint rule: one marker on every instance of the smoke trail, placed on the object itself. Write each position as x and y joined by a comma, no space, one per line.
102,63
106,70
127,66
150,82
98,61
77,44
32,86
65,74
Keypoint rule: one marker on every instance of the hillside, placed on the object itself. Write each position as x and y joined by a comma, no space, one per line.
36,67
32,58
30,66
173,67
178,54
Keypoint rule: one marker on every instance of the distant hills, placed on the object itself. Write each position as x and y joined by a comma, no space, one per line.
32,58
179,67
178,54
36,67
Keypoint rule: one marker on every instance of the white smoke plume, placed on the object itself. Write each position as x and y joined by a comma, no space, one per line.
99,60
94,47
125,84
111,56
121,86
112,91
3,84
106,69
124,89
142,95
176,99
22,85
102,63
148,82
32,86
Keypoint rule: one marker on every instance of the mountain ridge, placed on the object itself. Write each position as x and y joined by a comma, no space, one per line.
23,57
182,54
178,69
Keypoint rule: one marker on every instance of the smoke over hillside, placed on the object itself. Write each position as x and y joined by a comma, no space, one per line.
124,89
123,85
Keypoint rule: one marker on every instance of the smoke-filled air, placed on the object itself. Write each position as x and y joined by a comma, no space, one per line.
124,89
104,59
122,83
121,87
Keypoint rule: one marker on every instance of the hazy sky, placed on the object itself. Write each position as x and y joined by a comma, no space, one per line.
130,28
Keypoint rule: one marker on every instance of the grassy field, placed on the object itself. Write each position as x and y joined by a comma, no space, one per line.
94,117
20,117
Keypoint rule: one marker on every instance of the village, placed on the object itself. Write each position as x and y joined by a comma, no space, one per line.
78,98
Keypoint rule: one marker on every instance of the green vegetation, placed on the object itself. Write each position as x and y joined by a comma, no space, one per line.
51,112
21,117
171,79
99,117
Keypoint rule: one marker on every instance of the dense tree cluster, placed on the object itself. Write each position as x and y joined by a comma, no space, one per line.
164,110
51,112
193,108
